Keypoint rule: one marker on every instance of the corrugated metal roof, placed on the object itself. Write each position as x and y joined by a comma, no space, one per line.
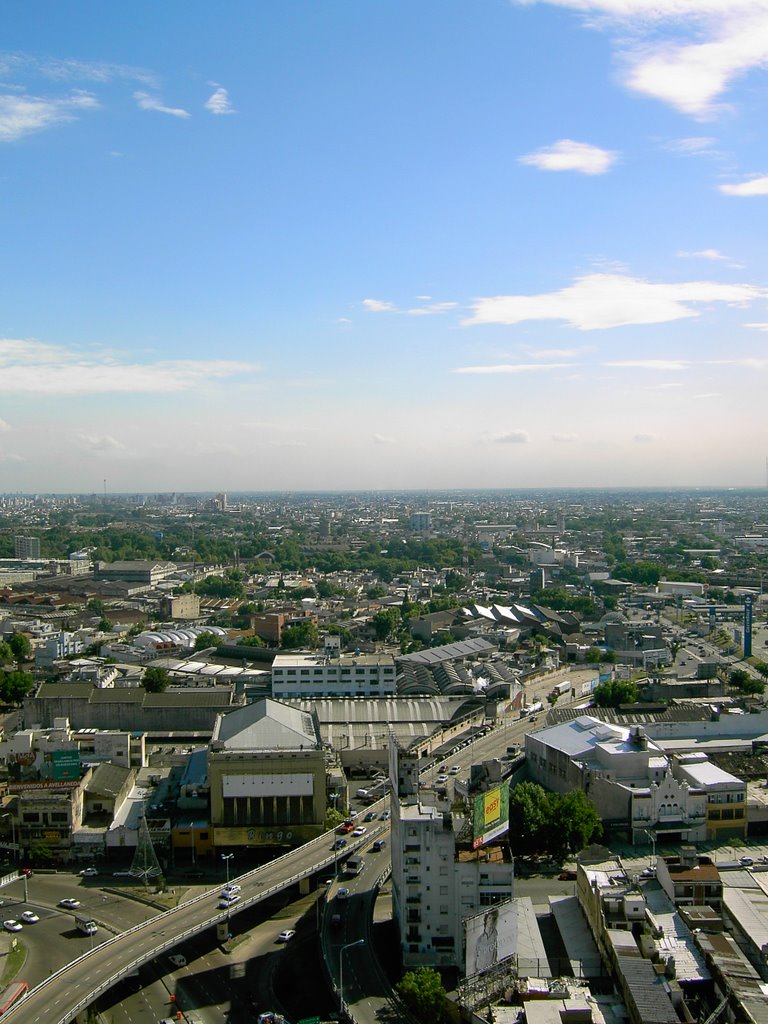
448,652
266,725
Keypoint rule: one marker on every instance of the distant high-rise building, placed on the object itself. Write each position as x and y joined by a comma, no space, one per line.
27,547
421,521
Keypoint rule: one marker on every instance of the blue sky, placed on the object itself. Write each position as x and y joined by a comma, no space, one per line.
389,244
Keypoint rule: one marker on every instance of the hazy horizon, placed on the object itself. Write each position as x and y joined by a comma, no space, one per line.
381,247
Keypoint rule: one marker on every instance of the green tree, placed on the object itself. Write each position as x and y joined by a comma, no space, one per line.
20,646
550,824
593,656
303,634
574,823
14,686
206,640
6,654
40,852
333,818
155,680
219,586
386,623
529,810
615,692
251,641
423,994
455,581
746,683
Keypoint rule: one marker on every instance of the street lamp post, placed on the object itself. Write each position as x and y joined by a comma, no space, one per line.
652,837
227,857
349,945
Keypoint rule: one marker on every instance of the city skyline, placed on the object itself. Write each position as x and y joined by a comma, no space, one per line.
513,244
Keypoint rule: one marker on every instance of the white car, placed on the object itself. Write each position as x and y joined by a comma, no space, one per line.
455,770
227,900
29,917
69,904
12,926
441,779
359,831
232,887
178,960
88,872
286,935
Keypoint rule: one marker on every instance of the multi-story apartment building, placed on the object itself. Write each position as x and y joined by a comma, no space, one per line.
438,879
297,676
27,547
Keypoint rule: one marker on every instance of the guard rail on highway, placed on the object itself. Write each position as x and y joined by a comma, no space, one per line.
17,1012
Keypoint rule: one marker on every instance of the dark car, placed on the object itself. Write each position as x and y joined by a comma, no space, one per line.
338,843
370,816
567,876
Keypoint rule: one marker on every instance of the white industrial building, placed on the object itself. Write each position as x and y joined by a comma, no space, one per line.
635,784
299,676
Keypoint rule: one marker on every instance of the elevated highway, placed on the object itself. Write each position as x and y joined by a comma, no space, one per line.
69,991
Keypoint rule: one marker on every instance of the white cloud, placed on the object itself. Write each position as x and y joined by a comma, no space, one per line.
147,102
4,426
67,70
33,367
664,387
435,307
704,254
758,327
512,368
11,457
565,438
650,364
714,42
560,353
99,442
567,155
600,301
694,145
708,394
644,438
21,115
287,444
382,439
381,306
510,437
219,103
751,187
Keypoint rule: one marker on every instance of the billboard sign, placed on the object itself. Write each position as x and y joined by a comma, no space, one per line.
490,815
490,936
66,765
748,626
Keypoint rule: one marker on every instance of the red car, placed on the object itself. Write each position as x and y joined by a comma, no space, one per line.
25,871
567,876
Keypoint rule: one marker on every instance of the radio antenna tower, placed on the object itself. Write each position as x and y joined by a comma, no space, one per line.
145,863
